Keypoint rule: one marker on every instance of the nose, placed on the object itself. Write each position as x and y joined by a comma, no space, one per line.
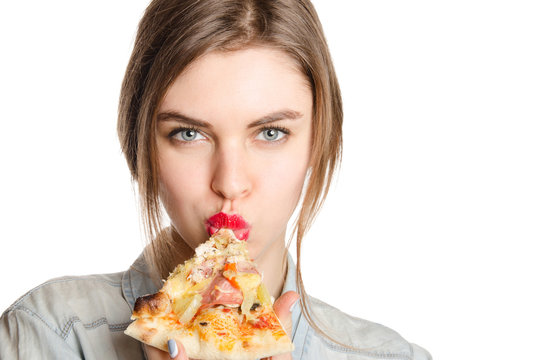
231,179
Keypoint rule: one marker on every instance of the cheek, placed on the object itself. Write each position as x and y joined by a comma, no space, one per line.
282,184
179,185
286,175
288,180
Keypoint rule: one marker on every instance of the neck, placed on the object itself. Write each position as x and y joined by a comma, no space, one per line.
273,266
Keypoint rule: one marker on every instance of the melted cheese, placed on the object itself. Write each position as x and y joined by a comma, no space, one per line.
177,283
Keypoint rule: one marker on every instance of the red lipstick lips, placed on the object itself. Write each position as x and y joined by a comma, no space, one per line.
234,222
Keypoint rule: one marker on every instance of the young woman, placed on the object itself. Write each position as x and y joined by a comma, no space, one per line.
228,106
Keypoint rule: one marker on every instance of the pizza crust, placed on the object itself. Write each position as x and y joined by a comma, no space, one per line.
155,331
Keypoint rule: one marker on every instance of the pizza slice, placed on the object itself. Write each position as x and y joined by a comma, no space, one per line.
215,304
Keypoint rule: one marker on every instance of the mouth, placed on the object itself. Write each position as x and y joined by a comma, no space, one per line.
234,222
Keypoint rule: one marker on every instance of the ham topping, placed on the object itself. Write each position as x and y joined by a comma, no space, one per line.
246,267
221,292
201,271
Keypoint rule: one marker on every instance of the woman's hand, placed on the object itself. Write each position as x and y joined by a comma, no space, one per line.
282,307
176,351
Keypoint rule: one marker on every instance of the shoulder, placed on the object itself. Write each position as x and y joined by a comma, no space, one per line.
362,337
73,295
68,311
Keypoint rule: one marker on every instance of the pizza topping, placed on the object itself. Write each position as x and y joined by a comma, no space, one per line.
221,291
205,250
249,283
186,308
230,266
201,271
263,296
246,267
264,321
177,283
230,273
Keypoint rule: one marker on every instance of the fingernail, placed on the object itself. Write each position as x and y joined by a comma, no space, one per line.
172,348
293,306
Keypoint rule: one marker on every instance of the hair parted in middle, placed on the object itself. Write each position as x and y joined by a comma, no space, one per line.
173,34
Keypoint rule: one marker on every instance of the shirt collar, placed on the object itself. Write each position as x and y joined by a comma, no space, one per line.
299,324
138,281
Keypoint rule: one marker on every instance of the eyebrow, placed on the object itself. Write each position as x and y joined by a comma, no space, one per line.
176,116
275,116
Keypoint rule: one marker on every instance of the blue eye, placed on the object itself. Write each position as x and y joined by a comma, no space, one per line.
272,134
186,134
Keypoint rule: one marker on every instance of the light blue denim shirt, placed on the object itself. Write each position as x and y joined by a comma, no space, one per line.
84,318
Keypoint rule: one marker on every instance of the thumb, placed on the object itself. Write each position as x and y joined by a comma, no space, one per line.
283,308
175,351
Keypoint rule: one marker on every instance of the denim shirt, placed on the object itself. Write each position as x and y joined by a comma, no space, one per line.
84,318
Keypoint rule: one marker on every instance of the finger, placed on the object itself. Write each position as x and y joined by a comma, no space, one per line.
152,353
175,351
283,308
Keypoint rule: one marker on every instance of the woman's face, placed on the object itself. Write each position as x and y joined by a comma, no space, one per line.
234,136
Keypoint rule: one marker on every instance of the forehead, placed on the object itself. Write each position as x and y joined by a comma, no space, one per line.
239,84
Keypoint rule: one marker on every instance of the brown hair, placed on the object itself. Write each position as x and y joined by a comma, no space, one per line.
174,33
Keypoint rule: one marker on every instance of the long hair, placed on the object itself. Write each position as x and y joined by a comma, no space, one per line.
174,33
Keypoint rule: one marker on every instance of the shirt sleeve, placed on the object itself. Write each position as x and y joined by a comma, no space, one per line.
24,335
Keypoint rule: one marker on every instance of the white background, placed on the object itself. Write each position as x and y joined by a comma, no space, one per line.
433,225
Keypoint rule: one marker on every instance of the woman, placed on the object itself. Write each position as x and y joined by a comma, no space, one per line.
228,106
